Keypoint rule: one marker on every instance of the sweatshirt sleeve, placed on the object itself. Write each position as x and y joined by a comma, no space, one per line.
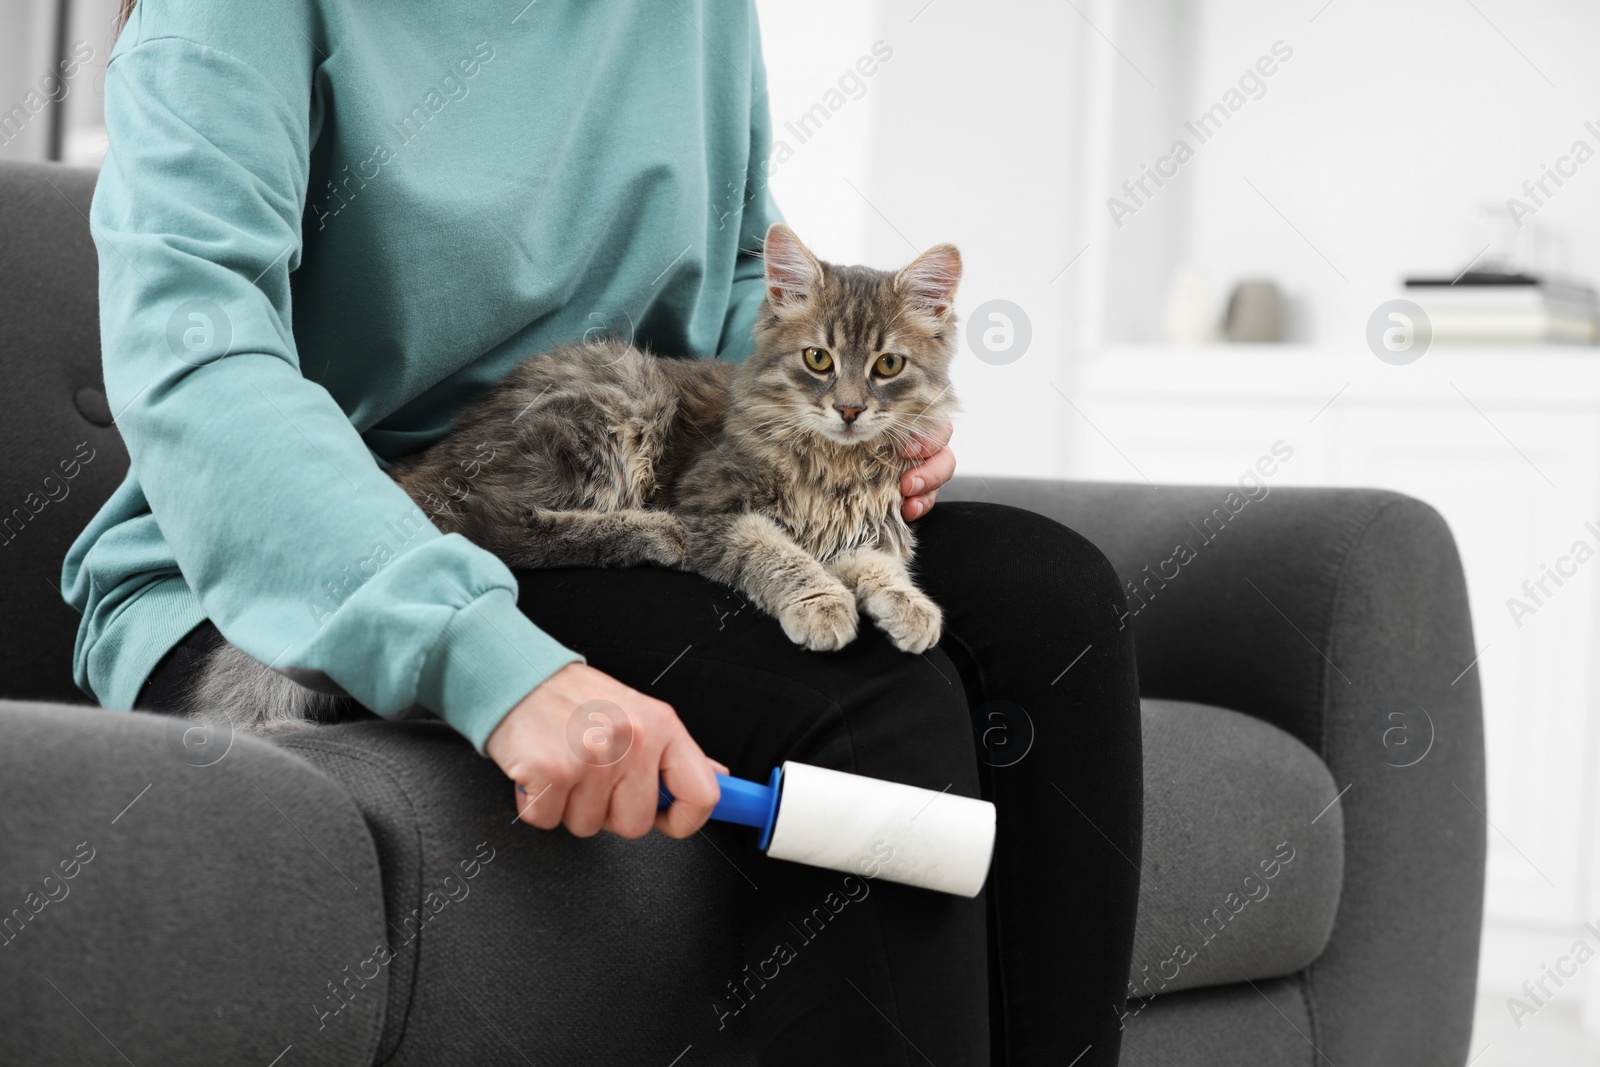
759,211
261,486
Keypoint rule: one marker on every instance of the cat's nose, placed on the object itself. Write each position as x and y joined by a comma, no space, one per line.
847,412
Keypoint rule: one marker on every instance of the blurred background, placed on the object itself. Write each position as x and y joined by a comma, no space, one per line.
1188,228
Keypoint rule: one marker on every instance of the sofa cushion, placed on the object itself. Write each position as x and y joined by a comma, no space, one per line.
176,894
1243,854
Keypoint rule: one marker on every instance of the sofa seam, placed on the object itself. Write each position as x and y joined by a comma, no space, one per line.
338,748
1309,1002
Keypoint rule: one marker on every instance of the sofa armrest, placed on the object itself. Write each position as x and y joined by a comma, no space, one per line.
178,900
1339,615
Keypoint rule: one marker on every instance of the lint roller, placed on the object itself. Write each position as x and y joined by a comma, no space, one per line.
865,826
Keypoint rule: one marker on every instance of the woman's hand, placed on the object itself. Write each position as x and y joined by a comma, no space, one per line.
920,485
589,752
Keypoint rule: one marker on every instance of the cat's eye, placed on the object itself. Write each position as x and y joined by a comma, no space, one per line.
889,364
819,359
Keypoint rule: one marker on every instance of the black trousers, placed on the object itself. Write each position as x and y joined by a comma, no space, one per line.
1029,700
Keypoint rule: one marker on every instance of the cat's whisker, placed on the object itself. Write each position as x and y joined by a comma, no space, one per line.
899,423
937,396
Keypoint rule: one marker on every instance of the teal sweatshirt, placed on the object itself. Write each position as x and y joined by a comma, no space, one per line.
323,227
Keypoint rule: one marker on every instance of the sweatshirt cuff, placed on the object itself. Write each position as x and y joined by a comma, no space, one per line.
487,659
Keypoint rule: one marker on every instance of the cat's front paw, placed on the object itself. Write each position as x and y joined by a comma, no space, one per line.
912,621
822,621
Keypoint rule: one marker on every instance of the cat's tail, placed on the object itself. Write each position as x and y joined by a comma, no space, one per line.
234,688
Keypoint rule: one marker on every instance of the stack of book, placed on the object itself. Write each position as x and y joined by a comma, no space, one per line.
1492,308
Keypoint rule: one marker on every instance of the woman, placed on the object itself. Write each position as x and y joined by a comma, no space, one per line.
437,192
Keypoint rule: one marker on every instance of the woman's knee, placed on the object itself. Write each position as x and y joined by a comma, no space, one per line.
1035,612
997,558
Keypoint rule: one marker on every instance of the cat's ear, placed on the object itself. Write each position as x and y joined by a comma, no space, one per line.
931,279
793,273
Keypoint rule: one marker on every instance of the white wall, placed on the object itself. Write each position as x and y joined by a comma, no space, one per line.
28,63
1379,141
91,22
808,47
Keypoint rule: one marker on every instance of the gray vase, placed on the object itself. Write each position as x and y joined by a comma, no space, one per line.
1255,313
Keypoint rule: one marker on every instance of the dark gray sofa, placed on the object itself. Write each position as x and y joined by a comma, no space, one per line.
326,899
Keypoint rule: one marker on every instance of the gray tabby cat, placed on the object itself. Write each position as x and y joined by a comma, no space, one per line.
778,476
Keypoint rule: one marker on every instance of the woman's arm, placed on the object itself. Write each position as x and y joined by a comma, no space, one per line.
263,490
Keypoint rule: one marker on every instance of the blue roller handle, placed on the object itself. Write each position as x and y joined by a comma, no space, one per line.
744,802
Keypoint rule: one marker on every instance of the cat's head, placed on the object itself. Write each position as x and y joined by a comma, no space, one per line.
851,354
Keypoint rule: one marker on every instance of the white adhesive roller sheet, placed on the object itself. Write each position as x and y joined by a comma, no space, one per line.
866,826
